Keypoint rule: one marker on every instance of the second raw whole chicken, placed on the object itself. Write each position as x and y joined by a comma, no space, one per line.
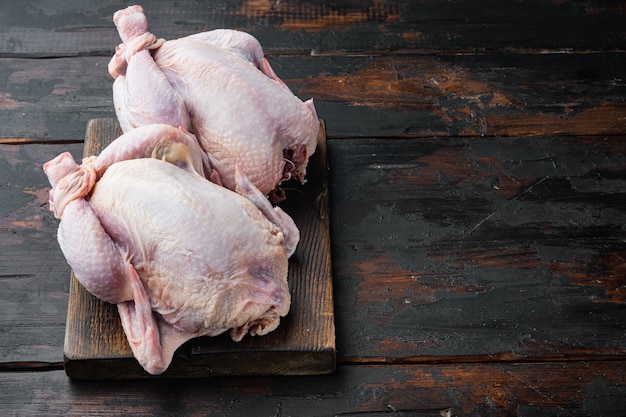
219,86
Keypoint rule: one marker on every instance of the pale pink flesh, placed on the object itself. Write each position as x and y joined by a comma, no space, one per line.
241,112
110,246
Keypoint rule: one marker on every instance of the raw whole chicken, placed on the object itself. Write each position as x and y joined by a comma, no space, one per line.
182,257
218,86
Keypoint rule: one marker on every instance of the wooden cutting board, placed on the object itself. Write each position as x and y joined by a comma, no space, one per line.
304,343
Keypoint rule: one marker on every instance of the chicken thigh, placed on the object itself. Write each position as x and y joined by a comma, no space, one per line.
218,86
180,256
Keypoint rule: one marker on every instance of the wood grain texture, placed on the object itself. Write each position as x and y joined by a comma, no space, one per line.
36,29
494,390
33,284
476,154
467,95
399,68
361,96
304,343
514,244
483,247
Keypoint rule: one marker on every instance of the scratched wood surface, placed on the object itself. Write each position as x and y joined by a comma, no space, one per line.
477,203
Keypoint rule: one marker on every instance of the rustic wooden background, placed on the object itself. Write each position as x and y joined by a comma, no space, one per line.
477,156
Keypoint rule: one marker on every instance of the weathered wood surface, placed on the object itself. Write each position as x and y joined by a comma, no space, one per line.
295,27
451,246
483,390
508,248
477,185
405,67
362,96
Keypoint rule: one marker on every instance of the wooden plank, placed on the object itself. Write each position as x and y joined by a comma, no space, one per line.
414,278
33,278
288,26
362,96
493,247
304,343
495,390
52,100
467,95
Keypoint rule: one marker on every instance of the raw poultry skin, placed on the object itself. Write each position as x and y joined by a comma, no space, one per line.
218,86
180,256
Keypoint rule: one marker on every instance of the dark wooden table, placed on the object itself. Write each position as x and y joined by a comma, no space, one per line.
477,155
